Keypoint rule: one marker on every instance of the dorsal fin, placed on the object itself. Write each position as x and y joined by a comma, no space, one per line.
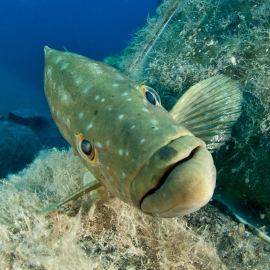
209,109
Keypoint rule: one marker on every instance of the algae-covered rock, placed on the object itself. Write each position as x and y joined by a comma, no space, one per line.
187,41
98,231
95,232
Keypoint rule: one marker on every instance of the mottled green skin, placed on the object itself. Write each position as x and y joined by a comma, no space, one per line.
109,110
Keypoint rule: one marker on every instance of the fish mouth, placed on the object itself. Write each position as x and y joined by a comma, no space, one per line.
178,179
162,180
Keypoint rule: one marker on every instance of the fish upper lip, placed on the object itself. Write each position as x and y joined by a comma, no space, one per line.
144,165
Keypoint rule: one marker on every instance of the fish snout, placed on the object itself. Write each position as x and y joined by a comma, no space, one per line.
177,180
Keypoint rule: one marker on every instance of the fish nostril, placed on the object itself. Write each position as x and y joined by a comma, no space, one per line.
168,172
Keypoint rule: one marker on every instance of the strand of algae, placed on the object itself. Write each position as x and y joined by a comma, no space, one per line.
158,32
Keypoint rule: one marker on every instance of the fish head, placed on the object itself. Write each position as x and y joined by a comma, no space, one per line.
123,135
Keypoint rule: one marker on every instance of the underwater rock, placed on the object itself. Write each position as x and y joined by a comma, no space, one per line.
18,147
42,125
187,41
27,117
50,135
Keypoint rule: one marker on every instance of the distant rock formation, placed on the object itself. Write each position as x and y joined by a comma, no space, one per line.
18,147
28,117
23,134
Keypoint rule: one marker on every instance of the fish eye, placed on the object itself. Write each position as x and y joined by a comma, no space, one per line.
151,98
86,148
151,95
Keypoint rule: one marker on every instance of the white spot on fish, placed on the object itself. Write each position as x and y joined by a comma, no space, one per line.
120,152
103,100
81,115
108,143
142,141
99,144
124,94
109,109
78,81
64,65
123,175
89,126
115,85
98,71
85,90
154,121
58,59
127,153
68,123
132,127
145,110
64,97
49,72
156,128
129,99
121,116
97,97
95,68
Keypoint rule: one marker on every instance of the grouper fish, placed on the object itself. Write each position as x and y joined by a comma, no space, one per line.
155,160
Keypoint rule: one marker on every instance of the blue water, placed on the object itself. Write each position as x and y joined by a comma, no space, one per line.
93,28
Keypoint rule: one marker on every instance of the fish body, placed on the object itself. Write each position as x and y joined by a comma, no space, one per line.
131,144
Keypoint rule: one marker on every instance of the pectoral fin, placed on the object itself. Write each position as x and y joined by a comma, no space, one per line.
209,109
94,184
